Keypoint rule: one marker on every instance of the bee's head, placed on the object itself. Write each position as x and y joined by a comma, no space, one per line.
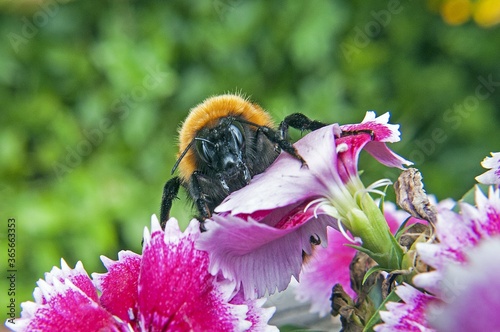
222,150
214,137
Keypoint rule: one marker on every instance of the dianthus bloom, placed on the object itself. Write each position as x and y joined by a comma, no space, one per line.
457,234
167,288
260,232
462,288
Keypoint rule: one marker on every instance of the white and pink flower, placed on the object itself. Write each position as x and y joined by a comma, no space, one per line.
461,293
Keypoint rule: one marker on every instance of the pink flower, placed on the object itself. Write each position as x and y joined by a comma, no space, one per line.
493,175
167,288
258,237
66,300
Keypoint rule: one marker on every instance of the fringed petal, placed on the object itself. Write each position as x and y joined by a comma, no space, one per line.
177,292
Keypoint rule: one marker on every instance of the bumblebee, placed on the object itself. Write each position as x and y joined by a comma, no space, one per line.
224,142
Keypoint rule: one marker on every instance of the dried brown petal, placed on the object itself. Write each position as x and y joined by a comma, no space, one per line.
411,196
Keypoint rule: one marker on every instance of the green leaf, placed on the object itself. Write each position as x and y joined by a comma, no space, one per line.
373,269
402,228
398,252
366,251
375,319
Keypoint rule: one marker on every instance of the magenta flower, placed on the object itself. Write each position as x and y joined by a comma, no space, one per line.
493,175
260,232
329,266
167,288
66,300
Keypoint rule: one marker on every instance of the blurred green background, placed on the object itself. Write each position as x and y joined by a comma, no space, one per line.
93,93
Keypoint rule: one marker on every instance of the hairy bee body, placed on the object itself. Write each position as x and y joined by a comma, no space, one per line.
223,143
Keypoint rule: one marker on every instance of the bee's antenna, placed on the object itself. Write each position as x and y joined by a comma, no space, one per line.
186,150
181,156
203,140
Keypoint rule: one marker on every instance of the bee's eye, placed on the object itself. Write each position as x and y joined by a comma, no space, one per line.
205,149
236,131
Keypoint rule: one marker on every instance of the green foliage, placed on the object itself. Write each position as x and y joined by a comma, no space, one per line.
93,95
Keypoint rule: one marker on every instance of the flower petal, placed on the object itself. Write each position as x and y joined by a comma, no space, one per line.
78,277
325,268
176,292
474,292
407,316
385,156
455,234
119,285
256,314
487,217
66,308
381,132
431,282
396,217
493,175
458,232
258,257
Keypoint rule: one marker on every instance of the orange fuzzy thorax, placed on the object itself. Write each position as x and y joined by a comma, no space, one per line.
207,114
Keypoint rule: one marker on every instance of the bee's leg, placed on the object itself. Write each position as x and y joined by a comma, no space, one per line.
280,137
301,122
170,191
298,121
284,144
356,132
200,198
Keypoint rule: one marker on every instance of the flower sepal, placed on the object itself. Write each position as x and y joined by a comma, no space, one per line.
387,261
378,242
